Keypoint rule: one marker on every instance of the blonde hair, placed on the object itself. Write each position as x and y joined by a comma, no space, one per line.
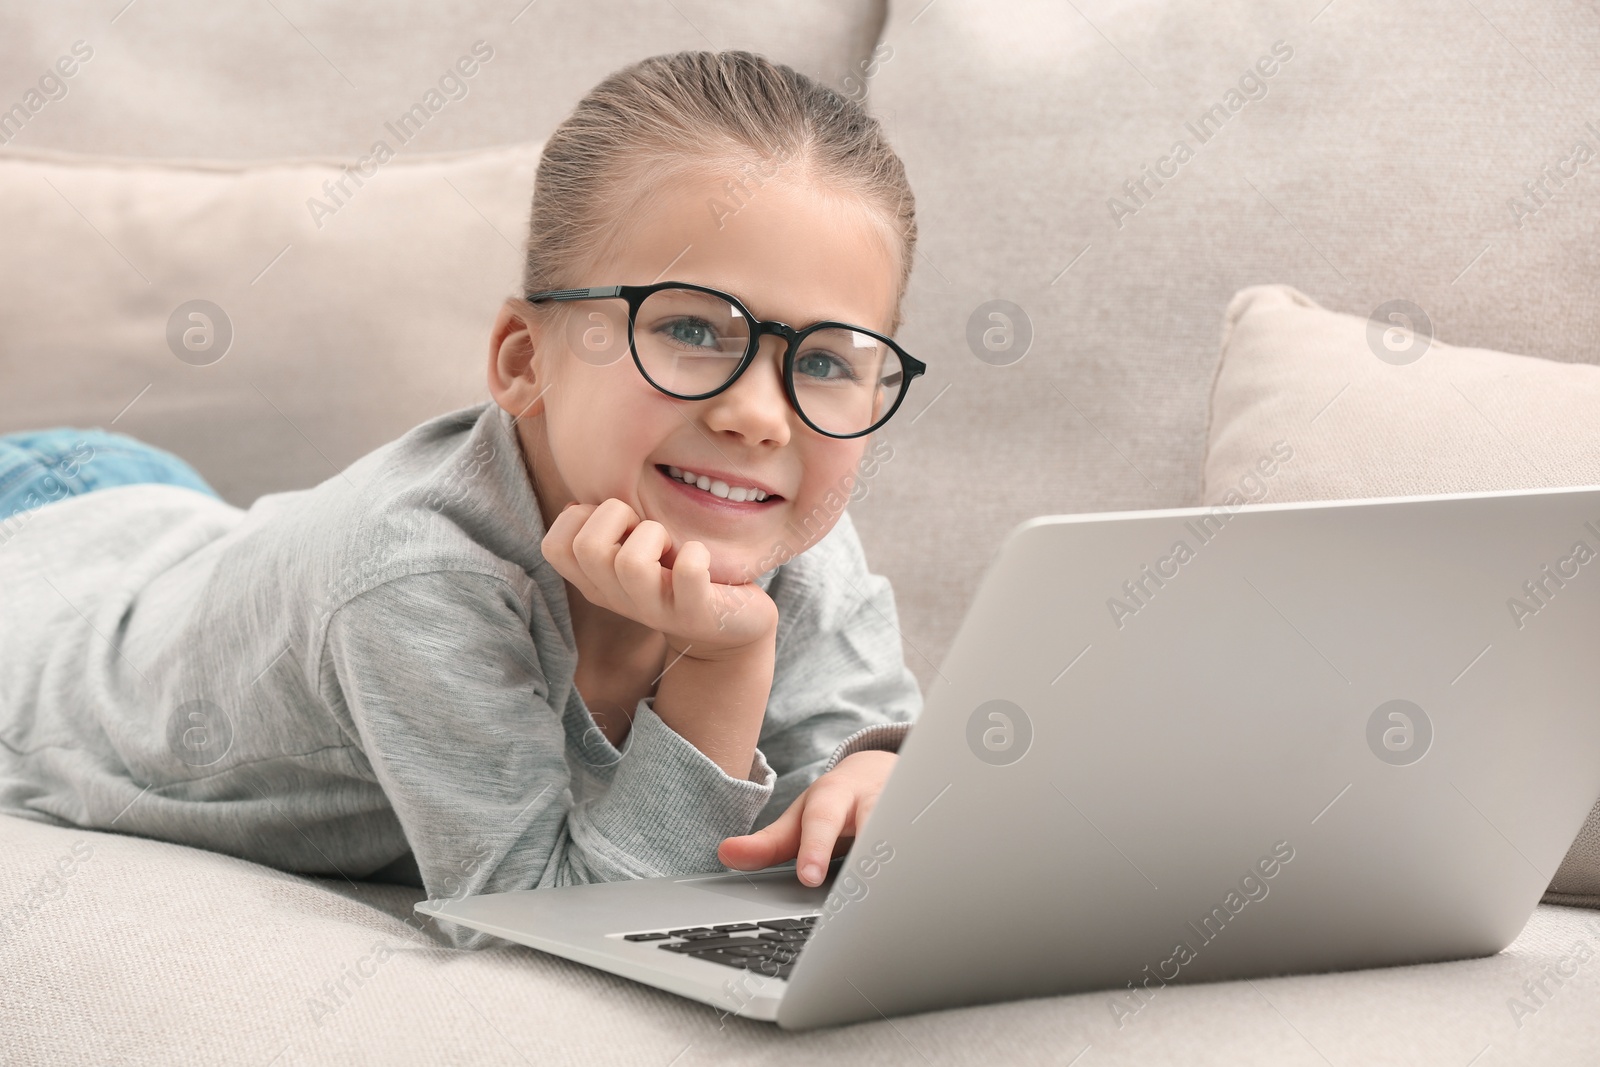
690,114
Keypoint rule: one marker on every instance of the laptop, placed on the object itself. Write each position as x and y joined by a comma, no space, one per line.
1177,746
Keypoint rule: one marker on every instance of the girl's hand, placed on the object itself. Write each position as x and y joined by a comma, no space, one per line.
820,822
614,559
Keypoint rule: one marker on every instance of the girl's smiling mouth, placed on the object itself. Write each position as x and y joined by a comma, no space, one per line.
716,493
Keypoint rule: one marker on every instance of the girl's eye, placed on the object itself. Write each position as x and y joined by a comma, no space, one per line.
696,333
817,364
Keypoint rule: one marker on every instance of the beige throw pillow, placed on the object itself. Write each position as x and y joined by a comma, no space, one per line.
344,302
1377,407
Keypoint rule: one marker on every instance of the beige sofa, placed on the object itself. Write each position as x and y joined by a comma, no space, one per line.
168,151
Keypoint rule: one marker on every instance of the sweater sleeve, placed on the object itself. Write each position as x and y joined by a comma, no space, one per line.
440,681
841,686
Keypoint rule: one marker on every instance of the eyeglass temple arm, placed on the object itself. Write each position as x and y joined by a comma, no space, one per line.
576,294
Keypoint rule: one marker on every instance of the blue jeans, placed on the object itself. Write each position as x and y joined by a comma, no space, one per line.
42,466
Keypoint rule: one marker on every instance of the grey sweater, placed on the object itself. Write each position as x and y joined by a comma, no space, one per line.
374,677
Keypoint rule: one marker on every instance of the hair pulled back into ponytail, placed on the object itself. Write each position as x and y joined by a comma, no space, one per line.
702,114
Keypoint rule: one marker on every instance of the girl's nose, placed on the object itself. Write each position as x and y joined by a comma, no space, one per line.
755,406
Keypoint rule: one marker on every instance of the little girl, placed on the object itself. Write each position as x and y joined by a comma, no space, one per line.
596,629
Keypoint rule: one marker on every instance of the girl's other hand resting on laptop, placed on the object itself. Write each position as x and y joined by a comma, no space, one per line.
821,822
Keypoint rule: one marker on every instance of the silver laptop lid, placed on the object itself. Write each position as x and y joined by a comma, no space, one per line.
1199,743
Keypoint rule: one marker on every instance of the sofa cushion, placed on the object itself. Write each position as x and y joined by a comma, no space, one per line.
139,951
331,322
1373,407
1379,407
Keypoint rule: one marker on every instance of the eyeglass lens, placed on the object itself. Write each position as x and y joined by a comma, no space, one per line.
690,343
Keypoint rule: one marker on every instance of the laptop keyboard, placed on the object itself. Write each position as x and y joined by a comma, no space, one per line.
768,947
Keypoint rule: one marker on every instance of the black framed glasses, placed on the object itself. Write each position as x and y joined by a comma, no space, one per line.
692,342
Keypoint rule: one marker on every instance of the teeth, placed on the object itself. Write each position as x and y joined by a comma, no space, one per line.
737,493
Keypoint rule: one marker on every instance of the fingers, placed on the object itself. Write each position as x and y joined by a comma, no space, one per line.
864,812
585,542
773,843
640,575
828,814
691,582
596,545
613,557
821,823
556,547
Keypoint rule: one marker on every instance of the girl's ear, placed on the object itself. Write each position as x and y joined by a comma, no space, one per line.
516,374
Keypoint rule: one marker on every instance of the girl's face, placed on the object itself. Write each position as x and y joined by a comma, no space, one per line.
592,427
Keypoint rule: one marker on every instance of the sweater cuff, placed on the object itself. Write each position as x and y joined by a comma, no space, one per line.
669,806
879,737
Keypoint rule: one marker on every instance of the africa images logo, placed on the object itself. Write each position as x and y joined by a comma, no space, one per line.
1252,888
999,732
1141,589
1399,732
1542,588
1251,87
